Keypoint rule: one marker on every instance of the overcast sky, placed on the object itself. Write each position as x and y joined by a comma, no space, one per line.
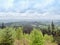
29,9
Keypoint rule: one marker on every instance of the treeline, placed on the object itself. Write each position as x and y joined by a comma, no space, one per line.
54,31
13,36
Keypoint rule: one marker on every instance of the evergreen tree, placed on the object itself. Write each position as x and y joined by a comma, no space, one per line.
53,28
49,29
3,26
7,38
19,33
57,37
36,37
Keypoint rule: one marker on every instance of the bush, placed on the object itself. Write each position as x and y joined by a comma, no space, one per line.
36,37
7,37
48,38
19,33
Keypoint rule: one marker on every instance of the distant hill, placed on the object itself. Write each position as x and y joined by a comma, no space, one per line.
28,22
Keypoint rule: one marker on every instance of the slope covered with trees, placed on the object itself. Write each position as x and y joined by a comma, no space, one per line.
36,36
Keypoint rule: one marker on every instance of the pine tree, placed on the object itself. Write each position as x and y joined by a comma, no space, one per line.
36,37
53,28
7,38
49,29
3,26
57,37
19,33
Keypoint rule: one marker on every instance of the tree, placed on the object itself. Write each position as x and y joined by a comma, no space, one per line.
57,37
19,36
53,28
48,38
36,37
3,26
7,38
19,33
49,30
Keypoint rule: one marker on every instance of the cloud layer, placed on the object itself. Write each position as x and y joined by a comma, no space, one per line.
25,5
32,9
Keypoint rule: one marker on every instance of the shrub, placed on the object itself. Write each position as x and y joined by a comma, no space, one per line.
36,37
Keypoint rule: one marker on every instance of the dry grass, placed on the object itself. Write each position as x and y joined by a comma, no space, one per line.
18,42
21,42
26,42
50,43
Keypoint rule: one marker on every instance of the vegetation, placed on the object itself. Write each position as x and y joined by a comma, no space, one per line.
36,37
6,37
49,35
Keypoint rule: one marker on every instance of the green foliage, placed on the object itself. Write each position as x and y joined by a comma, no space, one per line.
36,37
26,40
27,36
12,35
53,26
6,37
19,33
48,38
57,37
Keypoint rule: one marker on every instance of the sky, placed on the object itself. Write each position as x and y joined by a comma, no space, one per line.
30,9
